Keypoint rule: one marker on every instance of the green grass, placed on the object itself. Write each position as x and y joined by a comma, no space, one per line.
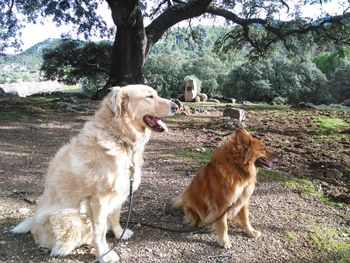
190,155
187,155
13,114
291,235
265,107
305,186
72,89
331,123
333,244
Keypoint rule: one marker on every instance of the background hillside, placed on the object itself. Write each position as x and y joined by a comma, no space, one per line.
25,66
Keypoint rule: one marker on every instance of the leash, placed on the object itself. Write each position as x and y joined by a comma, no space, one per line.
192,229
132,172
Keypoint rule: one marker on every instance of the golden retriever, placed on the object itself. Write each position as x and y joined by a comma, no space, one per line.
88,179
225,183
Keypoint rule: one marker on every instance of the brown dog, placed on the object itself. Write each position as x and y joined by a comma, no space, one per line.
226,182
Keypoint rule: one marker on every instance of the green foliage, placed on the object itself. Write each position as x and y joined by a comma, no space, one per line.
181,53
327,62
82,14
339,84
74,61
164,72
277,76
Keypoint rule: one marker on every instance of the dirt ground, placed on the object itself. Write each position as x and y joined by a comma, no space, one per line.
301,206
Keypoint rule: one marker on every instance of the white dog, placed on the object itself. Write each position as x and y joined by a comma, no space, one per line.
88,180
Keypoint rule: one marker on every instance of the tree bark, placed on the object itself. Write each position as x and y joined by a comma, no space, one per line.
129,46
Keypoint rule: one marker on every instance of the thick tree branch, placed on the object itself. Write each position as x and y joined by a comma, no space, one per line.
282,30
172,16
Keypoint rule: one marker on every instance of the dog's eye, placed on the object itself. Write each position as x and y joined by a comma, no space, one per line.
150,96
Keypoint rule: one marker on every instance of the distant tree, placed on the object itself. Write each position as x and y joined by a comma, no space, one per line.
277,77
210,70
257,23
339,84
81,62
164,72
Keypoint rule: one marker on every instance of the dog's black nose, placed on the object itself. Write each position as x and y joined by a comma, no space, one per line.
174,107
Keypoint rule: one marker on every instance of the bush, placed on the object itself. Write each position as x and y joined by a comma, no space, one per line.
339,85
275,77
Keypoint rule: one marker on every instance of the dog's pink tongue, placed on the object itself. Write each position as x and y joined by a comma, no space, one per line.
162,124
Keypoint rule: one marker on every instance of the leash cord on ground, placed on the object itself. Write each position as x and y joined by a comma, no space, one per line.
125,227
188,230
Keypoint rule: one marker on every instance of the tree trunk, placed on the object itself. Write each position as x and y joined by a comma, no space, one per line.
129,46
132,42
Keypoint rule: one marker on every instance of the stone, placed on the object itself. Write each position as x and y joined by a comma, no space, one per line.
346,103
213,100
232,124
23,210
304,105
2,92
234,113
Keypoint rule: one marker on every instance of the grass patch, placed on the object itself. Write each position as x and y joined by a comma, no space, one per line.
13,114
333,244
187,155
268,107
272,175
331,123
190,155
291,235
72,89
305,186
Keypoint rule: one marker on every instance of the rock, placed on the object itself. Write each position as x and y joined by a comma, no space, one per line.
333,173
23,210
303,105
203,97
3,93
232,124
346,103
2,242
178,103
279,100
181,97
233,113
213,100
230,100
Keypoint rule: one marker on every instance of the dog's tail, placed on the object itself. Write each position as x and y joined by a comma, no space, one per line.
24,227
178,202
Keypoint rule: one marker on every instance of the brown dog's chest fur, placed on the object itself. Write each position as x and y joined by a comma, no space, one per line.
218,185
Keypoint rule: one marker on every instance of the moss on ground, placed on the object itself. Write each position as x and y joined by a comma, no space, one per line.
305,186
333,244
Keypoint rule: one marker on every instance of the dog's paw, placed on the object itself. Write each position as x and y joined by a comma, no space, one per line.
254,234
224,242
111,257
127,234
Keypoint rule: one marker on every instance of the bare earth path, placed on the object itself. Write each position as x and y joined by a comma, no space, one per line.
298,223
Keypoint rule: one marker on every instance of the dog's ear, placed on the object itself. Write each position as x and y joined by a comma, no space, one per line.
243,139
119,100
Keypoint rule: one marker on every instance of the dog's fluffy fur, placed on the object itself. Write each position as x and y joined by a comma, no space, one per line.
88,180
227,180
